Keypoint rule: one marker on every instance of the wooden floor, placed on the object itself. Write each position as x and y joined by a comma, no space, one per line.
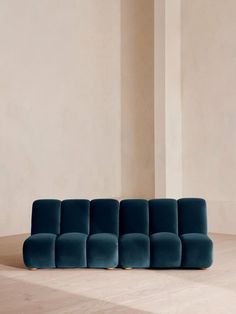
58,291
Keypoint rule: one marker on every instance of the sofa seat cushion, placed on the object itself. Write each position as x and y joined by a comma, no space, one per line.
165,250
134,250
102,250
39,251
71,250
196,250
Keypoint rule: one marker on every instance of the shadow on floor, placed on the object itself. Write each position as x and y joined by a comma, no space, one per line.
11,250
38,299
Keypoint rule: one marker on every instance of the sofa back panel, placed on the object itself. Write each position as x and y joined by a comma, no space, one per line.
75,216
192,215
134,216
163,216
46,216
104,216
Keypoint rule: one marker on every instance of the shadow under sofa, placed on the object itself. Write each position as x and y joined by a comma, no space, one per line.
106,233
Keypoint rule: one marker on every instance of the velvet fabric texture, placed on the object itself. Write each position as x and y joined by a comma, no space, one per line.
166,250
134,217
134,249
197,247
102,244
104,216
46,216
39,251
103,233
163,215
197,250
39,248
71,250
75,216
102,250
165,243
134,246
192,215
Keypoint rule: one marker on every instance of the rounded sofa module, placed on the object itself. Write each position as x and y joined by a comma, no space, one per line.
105,233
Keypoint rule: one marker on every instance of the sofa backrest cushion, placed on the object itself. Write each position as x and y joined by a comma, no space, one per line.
163,216
104,216
46,216
75,216
192,215
134,216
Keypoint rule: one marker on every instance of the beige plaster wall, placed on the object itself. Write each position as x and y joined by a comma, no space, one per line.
60,128
168,111
208,107
160,98
76,103
137,94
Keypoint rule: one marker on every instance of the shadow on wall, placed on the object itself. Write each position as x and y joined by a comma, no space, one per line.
137,98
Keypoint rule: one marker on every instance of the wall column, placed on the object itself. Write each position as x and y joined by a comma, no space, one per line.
167,104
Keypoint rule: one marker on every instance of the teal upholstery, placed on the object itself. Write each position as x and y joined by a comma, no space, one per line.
71,250
102,250
192,215
104,216
163,215
134,250
197,247
39,250
166,249
134,244
197,250
102,244
103,233
75,216
164,240
71,244
134,216
46,216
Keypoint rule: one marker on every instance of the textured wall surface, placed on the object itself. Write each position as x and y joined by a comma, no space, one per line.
168,111
137,94
77,103
209,102
59,104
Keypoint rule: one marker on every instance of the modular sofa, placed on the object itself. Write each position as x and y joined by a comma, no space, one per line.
105,233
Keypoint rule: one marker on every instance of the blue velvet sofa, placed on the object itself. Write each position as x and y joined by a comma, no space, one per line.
105,233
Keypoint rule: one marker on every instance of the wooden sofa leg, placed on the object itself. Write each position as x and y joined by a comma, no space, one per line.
33,268
128,268
110,268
